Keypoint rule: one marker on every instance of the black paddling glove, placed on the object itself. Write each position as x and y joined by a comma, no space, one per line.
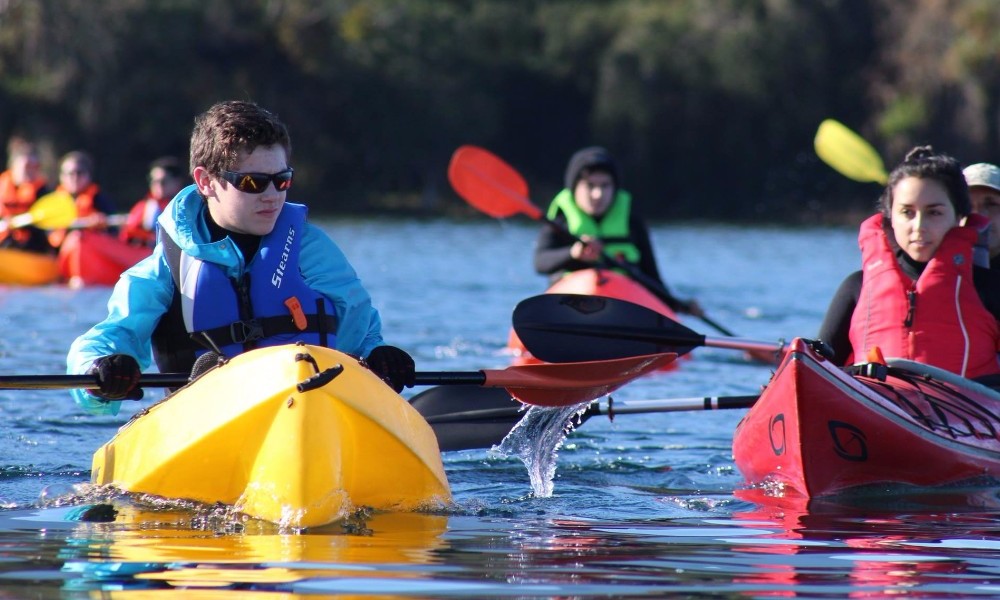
393,365
118,377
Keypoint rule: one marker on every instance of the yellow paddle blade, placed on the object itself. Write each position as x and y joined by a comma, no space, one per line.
848,153
56,210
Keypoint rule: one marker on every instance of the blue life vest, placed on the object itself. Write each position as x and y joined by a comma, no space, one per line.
269,305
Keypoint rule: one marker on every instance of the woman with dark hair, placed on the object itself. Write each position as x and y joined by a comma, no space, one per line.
925,291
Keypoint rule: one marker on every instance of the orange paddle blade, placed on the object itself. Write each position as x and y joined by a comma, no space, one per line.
565,384
489,184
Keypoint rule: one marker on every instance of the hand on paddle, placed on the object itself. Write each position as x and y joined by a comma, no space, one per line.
118,377
393,365
588,249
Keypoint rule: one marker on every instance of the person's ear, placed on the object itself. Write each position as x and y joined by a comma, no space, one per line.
205,182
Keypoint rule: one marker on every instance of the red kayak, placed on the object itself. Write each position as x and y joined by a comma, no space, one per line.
90,257
819,429
598,282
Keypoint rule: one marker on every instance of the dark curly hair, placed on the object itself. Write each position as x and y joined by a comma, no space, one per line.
924,163
228,129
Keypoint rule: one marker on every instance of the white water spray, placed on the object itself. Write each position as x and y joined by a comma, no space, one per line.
536,440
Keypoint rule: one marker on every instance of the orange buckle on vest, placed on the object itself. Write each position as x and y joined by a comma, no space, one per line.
875,355
298,317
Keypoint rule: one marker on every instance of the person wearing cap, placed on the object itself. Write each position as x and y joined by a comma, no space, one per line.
984,192
598,215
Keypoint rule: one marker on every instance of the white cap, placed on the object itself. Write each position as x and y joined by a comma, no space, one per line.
983,174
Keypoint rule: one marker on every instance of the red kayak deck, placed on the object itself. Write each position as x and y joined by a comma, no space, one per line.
89,257
818,430
597,282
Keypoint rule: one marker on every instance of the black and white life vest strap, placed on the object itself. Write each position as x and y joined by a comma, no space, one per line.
252,330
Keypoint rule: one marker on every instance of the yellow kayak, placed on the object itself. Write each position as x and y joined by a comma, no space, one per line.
20,267
297,435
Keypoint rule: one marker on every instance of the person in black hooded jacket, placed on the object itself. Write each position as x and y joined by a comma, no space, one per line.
598,215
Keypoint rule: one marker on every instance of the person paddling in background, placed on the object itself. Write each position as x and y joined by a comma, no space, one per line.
20,185
984,191
919,295
598,212
76,178
225,238
166,178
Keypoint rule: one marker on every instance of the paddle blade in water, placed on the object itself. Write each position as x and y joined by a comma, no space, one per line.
849,153
572,327
489,184
573,383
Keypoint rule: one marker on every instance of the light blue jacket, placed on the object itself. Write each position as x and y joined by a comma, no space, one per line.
145,291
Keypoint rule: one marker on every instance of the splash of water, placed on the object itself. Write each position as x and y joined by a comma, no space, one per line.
536,440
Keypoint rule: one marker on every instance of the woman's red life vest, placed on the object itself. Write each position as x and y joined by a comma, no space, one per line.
938,319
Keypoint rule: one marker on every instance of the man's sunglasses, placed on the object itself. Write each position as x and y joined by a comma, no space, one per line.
256,183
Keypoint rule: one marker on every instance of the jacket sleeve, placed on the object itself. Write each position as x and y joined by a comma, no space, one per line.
836,327
552,251
325,269
139,299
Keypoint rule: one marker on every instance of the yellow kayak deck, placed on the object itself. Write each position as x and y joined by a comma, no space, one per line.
245,435
20,267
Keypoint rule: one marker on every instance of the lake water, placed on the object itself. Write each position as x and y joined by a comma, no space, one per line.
645,506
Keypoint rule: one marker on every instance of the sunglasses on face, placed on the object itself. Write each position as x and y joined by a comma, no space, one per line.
256,183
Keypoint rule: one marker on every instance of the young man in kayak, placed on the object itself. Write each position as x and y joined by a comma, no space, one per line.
984,191
923,293
20,185
235,267
599,215
166,179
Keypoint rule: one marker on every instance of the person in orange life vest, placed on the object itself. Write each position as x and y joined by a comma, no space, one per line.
166,178
984,191
919,294
76,177
20,185
599,215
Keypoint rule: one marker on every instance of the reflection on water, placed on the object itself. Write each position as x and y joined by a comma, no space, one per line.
644,506
172,548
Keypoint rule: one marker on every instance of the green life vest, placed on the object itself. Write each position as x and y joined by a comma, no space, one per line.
612,229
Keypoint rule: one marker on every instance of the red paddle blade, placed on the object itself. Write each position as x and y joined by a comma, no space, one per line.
565,384
488,183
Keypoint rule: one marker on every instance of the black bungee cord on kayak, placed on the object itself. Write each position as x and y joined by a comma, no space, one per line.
943,402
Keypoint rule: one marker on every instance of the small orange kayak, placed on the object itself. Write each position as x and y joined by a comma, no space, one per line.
598,282
20,267
90,257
